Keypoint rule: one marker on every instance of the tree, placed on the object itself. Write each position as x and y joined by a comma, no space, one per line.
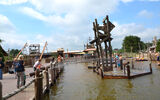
14,52
1,54
132,43
158,46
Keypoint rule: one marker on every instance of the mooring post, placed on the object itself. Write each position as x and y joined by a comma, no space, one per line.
121,63
132,64
51,70
1,91
57,71
115,63
46,78
38,86
150,65
124,67
128,71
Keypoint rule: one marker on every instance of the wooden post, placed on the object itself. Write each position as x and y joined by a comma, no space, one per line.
132,64
43,50
21,50
115,63
150,65
46,78
106,47
52,75
38,86
124,69
128,71
1,91
98,41
121,63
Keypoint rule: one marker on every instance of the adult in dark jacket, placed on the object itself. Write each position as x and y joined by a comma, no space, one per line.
20,72
1,68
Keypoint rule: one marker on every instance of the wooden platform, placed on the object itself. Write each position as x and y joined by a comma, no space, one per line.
119,74
91,67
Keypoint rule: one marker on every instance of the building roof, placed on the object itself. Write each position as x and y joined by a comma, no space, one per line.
3,51
90,49
75,51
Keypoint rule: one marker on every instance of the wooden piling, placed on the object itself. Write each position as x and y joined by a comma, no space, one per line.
46,78
52,75
132,64
128,71
121,63
38,86
150,65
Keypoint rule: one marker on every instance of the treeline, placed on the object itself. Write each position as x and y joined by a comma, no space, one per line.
135,45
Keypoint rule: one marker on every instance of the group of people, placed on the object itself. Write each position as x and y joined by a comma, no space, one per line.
19,70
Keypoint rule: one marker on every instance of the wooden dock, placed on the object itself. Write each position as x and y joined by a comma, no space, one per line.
119,74
35,87
126,73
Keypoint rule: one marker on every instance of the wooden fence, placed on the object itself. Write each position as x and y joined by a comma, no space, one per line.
43,80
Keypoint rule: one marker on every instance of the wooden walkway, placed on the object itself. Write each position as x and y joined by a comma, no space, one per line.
119,74
9,82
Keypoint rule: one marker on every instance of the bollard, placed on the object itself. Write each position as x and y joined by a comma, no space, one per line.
121,63
150,65
38,86
52,75
128,71
46,77
1,91
124,67
132,64
115,63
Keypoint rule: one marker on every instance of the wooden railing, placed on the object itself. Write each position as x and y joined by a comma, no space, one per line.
43,80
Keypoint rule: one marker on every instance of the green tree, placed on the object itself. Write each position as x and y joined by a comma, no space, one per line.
158,46
1,54
14,52
133,43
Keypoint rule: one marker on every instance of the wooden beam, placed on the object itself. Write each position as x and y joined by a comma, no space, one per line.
43,50
21,50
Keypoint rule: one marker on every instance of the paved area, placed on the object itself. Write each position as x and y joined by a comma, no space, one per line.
9,82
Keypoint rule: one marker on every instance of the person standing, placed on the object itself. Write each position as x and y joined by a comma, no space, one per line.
36,65
14,64
1,67
118,62
20,72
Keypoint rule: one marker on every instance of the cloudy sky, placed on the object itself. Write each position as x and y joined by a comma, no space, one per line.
68,23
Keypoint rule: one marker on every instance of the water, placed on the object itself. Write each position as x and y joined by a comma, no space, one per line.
80,83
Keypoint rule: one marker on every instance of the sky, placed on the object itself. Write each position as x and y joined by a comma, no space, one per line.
68,23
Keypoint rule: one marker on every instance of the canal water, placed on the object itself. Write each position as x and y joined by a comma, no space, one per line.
80,83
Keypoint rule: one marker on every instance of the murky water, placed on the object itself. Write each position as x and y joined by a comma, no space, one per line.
80,83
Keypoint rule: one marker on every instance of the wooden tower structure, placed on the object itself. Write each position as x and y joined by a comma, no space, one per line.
103,36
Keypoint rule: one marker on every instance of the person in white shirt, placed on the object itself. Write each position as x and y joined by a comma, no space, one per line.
37,63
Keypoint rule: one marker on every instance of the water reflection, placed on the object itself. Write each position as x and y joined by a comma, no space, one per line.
79,83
